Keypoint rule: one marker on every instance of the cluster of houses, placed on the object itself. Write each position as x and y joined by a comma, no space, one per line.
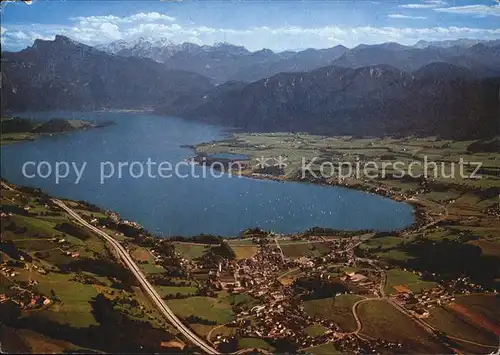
37,268
8,272
353,344
420,304
24,297
279,315
256,275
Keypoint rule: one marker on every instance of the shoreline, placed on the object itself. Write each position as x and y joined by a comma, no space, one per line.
418,212
32,136
125,110
418,209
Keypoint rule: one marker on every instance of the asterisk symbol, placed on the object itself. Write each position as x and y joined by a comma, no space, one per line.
280,162
262,162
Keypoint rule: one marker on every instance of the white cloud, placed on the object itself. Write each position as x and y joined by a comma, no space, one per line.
436,2
426,4
95,30
142,16
151,16
20,38
406,17
477,10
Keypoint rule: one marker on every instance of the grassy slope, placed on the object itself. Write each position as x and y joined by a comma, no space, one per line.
451,323
33,235
337,309
381,320
397,277
213,309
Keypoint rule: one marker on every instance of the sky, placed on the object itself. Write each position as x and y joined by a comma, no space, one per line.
256,24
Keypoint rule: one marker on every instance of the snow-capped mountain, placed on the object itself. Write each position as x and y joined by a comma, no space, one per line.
462,42
156,49
162,49
222,61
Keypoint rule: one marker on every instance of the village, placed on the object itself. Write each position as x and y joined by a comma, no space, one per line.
282,287
280,314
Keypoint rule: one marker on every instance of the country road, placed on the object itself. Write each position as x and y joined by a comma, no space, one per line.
279,248
148,288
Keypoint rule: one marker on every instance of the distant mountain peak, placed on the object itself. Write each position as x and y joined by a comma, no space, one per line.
64,39
265,51
230,48
393,46
58,42
443,71
62,73
461,42
226,44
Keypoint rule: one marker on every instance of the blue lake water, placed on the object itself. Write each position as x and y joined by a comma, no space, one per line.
229,156
187,206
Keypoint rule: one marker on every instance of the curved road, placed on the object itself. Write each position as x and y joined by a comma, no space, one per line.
167,312
148,288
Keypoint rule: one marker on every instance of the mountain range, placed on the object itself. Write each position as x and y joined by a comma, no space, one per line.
64,74
462,42
480,58
368,90
225,62
438,99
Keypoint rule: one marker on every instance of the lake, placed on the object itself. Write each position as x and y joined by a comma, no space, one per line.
173,205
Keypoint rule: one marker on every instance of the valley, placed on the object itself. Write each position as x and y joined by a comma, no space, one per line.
248,177
274,284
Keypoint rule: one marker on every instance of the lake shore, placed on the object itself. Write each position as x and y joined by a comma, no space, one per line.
334,232
420,211
18,130
241,203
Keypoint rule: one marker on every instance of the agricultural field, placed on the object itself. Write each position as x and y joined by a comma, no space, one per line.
324,349
337,309
243,251
451,323
381,243
146,261
487,306
393,255
297,145
289,276
315,330
300,249
53,260
254,343
242,300
74,308
219,330
397,277
491,248
241,242
386,248
171,291
212,309
190,251
381,320
32,342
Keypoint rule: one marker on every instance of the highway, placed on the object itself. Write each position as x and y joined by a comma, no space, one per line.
147,287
